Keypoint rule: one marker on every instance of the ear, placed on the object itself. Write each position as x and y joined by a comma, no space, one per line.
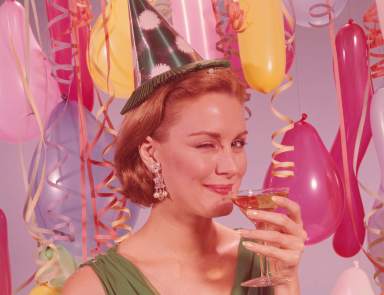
147,151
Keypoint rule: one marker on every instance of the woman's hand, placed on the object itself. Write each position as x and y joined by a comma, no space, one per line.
285,241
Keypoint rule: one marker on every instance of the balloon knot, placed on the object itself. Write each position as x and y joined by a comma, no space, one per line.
304,116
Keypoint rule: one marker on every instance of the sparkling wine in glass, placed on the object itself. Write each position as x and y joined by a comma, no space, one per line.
261,199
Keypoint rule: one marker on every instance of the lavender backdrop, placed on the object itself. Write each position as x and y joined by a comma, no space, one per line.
313,93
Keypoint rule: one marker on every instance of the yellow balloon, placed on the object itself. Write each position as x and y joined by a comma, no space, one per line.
262,44
121,73
44,290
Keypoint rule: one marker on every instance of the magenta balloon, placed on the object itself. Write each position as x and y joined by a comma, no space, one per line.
5,277
352,54
59,207
376,221
316,185
17,120
60,33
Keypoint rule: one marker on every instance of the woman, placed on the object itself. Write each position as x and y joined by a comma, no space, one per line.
181,151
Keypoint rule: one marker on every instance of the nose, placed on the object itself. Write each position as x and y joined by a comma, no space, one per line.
227,163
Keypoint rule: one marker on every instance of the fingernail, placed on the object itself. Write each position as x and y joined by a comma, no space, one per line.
242,231
252,212
247,244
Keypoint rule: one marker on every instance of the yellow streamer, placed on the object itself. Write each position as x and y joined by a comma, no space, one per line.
281,169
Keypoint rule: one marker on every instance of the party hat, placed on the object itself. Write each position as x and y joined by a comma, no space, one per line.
162,54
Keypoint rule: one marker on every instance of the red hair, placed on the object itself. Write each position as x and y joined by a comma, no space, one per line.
154,117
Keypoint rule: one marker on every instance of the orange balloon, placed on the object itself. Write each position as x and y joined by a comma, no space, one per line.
262,44
120,81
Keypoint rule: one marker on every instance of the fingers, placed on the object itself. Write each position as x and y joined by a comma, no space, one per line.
275,238
280,220
288,257
293,208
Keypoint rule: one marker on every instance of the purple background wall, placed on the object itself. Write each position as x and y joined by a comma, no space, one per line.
313,93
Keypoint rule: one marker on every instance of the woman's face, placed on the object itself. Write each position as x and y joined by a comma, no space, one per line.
203,159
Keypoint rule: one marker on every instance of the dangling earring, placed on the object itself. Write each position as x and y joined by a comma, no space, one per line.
160,192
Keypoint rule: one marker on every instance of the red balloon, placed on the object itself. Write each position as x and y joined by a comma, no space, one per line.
60,33
315,186
5,277
352,55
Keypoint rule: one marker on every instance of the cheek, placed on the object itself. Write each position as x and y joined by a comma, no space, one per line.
186,167
243,164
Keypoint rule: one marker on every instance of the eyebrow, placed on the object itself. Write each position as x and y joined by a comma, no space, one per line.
214,134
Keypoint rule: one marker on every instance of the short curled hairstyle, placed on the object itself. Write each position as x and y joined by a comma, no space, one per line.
154,117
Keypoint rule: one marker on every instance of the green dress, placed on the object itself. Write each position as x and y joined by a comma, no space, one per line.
121,277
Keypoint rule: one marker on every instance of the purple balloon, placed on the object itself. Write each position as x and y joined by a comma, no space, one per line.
59,207
315,186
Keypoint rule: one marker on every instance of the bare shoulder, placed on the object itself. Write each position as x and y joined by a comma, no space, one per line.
83,281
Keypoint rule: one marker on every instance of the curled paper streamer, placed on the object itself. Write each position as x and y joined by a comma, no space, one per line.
314,13
279,168
375,41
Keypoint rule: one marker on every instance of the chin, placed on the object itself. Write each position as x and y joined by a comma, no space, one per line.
223,209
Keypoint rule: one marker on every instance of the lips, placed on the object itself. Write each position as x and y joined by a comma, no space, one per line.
220,189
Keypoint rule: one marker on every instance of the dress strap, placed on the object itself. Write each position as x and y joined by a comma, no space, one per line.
119,276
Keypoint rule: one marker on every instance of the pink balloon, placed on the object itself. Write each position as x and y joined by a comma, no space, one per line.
195,21
353,281
376,221
60,33
17,121
352,54
316,185
5,277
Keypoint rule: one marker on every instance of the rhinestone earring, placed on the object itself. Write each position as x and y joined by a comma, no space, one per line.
160,192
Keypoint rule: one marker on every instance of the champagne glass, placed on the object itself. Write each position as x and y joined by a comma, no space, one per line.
261,199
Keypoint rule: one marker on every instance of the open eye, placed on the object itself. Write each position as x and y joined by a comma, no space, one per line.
239,143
